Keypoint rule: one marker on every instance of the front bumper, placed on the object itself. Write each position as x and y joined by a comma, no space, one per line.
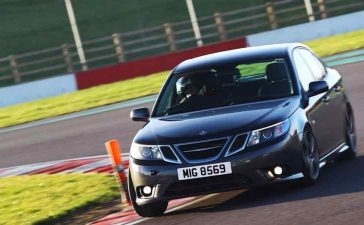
249,168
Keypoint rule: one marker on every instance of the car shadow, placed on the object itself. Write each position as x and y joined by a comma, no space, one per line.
340,177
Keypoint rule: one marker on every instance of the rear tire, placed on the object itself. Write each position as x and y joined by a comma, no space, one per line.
310,158
148,210
350,135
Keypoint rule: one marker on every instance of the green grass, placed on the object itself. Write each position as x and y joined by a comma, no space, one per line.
45,198
138,87
338,43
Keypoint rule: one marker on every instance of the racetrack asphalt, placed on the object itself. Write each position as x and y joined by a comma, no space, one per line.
338,197
73,138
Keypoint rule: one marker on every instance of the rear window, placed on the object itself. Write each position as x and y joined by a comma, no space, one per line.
253,69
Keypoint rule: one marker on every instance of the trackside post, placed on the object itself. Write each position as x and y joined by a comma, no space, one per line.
114,151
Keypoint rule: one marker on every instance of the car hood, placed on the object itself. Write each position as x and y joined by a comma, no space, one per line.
214,123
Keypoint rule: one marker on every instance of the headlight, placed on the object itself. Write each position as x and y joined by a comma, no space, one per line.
145,152
268,133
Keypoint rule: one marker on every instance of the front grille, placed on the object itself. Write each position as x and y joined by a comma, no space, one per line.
238,144
207,185
202,150
168,154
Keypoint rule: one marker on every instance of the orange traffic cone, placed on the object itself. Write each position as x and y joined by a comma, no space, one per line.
114,151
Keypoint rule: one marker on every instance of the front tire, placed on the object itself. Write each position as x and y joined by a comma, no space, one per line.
310,158
148,210
350,135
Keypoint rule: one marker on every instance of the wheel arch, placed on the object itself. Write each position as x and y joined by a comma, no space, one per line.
299,121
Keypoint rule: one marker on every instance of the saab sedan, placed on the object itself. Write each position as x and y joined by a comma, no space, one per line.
238,119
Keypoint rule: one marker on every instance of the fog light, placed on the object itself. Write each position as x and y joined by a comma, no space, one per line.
147,190
278,170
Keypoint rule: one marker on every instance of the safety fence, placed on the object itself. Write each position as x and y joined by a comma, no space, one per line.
176,36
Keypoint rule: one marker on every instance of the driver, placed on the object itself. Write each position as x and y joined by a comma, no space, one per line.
187,88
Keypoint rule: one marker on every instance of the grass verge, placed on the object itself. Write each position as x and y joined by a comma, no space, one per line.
338,43
138,87
45,199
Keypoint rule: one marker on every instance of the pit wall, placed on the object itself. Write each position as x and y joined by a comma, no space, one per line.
68,83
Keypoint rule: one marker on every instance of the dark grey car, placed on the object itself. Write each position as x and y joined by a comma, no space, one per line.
238,119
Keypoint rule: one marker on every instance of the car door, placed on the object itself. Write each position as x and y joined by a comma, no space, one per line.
335,118
337,107
317,108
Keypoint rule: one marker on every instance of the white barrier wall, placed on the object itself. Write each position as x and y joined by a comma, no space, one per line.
37,89
310,31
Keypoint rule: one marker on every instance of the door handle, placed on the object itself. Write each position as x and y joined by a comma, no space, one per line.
326,99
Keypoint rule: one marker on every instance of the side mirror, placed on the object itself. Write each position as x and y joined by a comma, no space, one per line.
317,87
140,114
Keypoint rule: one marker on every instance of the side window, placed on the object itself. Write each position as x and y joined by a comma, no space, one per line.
304,73
315,65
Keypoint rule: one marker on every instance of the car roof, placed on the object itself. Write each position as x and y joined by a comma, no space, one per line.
235,56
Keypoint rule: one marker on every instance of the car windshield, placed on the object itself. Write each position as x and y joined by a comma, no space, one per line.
223,86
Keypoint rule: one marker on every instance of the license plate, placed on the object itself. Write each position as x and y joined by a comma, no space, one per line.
210,170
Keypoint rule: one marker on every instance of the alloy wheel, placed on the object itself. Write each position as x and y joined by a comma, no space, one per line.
310,157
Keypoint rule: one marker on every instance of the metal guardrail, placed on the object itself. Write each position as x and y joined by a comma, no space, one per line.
122,47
